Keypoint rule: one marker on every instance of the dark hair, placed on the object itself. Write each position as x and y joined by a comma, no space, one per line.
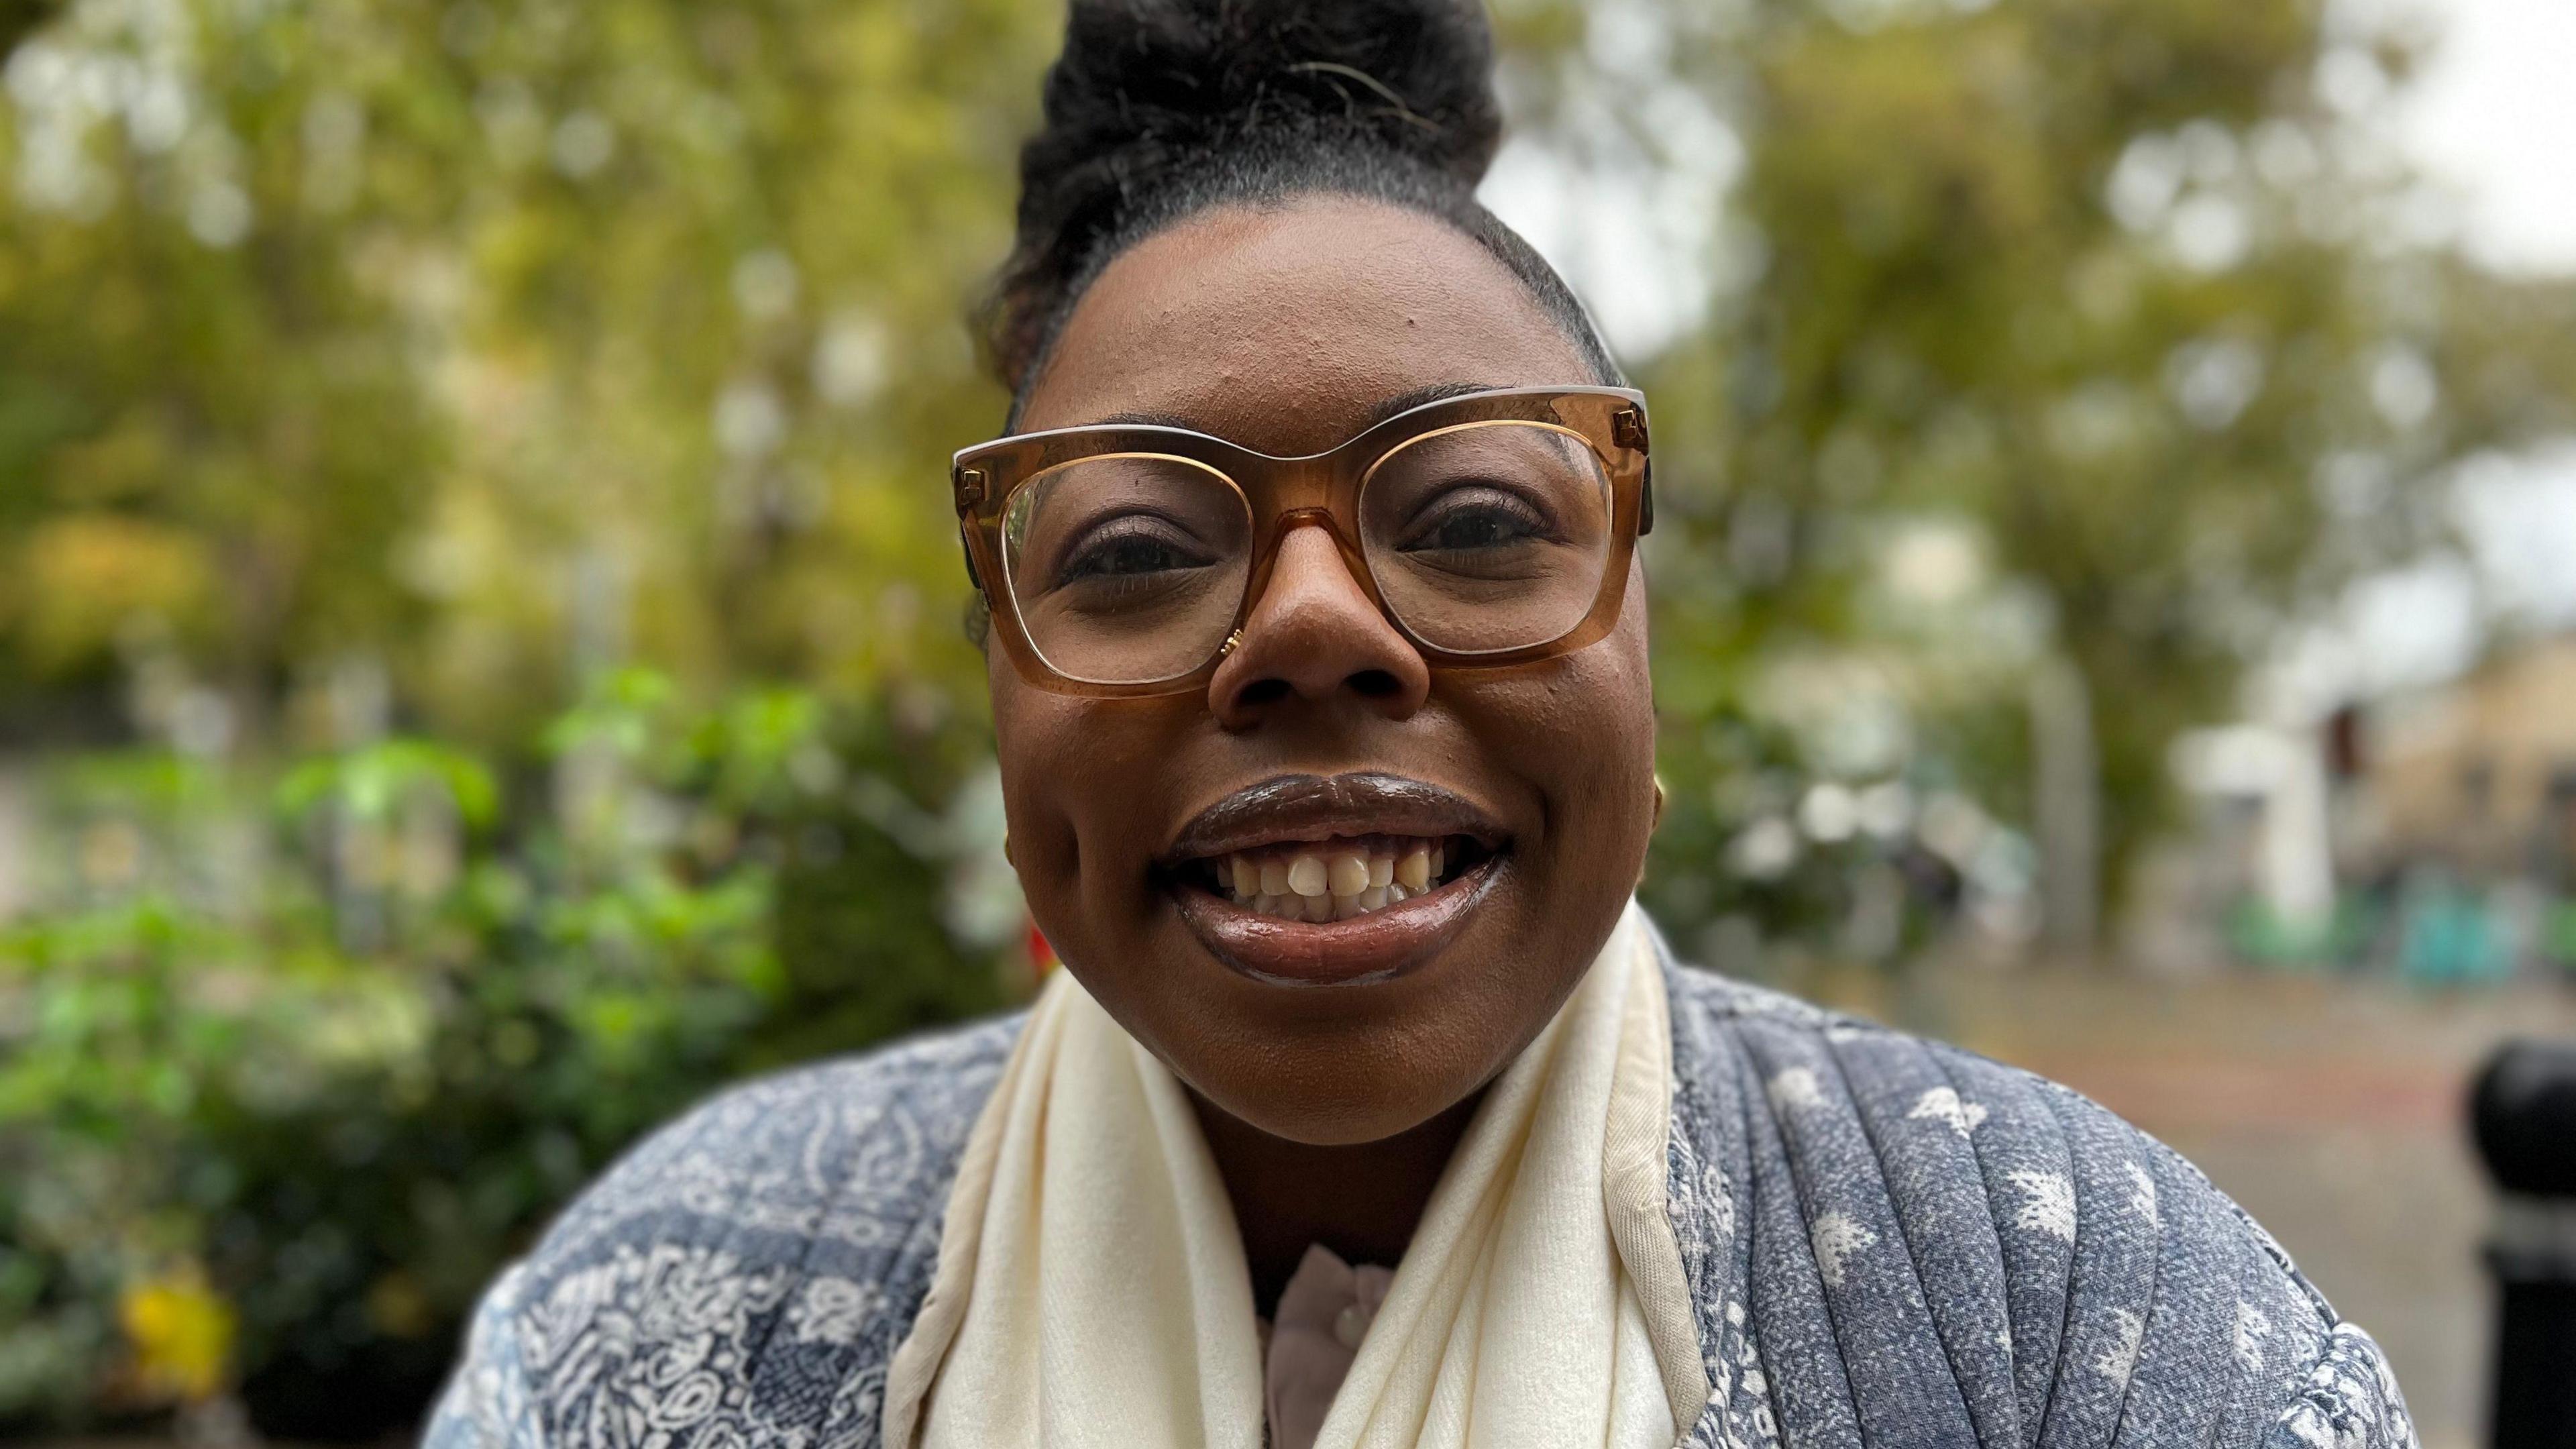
1161,109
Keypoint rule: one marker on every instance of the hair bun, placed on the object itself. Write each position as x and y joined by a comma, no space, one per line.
1149,92
1155,81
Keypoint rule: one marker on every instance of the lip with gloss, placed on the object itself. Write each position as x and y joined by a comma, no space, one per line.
1332,880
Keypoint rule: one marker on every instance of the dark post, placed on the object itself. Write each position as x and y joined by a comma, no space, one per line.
2523,1113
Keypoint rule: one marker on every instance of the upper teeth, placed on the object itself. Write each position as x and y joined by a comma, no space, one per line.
1333,881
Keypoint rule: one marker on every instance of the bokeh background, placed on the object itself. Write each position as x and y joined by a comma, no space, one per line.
480,646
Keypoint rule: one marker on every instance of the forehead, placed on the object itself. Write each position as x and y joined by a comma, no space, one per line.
1285,328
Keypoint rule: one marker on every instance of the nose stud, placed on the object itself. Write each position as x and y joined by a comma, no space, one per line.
1228,647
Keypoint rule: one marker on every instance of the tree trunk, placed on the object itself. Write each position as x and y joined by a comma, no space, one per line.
2066,807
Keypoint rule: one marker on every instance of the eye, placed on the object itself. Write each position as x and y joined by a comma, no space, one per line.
1130,549
1474,520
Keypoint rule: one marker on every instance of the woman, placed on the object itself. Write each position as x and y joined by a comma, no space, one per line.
1368,1110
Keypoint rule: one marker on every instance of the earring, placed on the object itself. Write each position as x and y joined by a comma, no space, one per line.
1658,821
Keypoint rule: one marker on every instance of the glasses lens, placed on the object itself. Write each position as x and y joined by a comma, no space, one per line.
1126,569
1489,536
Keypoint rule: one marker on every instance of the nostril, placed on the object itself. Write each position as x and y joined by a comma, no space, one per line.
1263,691
1374,684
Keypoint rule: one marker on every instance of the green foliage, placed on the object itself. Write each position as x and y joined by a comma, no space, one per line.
344,1101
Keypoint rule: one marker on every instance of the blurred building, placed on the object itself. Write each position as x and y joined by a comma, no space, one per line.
2432,831
2480,773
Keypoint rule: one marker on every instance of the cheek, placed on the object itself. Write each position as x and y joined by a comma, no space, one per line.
1580,732
1603,701
1080,778
1603,715
1032,731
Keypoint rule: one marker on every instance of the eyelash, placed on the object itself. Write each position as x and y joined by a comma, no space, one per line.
1478,495
1109,536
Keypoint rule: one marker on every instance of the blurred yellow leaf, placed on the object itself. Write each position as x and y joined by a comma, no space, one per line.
397,1307
81,576
181,1331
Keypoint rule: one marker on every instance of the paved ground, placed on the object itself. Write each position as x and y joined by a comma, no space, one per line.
2332,1111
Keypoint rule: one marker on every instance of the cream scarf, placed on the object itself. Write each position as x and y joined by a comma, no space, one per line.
1091,1286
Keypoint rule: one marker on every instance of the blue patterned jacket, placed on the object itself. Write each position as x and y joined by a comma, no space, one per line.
1890,1243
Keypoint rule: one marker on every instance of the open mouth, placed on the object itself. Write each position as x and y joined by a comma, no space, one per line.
1337,879
1332,880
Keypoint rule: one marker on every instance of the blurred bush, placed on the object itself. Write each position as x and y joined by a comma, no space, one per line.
275,1135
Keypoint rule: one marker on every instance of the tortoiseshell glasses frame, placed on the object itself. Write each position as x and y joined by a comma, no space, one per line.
1223,511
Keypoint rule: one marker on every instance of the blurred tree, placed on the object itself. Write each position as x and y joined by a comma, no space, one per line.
17,17
2136,291
489,344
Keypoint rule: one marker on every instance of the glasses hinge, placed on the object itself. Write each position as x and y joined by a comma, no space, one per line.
970,487
1628,429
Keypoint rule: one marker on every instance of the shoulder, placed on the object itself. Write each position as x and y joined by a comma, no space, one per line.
748,1267
845,1150
2023,1266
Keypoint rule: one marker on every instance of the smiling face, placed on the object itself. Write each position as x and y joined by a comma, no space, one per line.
1324,749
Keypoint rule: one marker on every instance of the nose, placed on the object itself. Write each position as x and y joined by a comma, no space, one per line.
1314,638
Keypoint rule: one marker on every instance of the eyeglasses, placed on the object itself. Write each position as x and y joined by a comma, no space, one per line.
1491,528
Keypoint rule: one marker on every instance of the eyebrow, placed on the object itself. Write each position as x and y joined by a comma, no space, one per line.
1402,402
1408,401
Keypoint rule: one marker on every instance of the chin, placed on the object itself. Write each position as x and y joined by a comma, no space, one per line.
1341,1067
1348,1110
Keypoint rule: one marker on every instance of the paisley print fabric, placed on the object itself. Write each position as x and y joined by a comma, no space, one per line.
740,1279
1889,1243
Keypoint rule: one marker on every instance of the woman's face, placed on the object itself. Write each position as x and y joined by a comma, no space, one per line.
1288,331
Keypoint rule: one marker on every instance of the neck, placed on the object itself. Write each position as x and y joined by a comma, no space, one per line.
1362,1201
